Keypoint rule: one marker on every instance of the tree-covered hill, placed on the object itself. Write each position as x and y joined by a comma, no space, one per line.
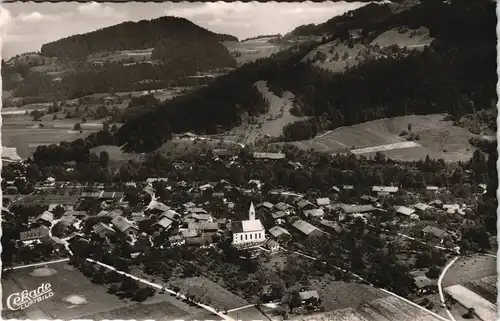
130,36
64,69
456,74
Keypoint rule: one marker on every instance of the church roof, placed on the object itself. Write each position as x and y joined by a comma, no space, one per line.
247,226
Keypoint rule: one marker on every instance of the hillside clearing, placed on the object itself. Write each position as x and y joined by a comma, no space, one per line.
438,139
270,123
251,50
337,56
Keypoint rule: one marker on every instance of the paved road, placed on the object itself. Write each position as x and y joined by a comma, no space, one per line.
160,287
440,287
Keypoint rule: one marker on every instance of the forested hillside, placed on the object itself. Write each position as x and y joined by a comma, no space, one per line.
130,36
73,67
455,75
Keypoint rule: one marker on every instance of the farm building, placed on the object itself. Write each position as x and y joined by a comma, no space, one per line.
187,135
248,231
151,180
163,224
367,199
421,207
331,225
305,205
283,207
279,215
307,229
102,230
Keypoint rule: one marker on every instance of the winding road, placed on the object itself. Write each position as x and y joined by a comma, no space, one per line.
440,287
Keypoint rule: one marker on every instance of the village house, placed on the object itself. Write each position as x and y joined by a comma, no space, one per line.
187,135
323,201
385,190
171,215
255,182
279,215
435,232
204,227
124,226
453,209
432,188
280,234
284,207
40,234
272,246
305,205
367,199
249,231
176,240
421,207
317,213
272,156
331,225
423,285
102,230
266,205
309,299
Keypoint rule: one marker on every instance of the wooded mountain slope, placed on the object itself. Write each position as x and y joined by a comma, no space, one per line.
130,36
455,75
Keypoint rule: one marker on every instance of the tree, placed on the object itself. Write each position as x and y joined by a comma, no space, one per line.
409,127
104,159
77,126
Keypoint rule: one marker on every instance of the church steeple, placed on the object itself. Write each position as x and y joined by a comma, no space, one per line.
251,212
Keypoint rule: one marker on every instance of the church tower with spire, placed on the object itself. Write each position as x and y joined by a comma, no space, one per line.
251,212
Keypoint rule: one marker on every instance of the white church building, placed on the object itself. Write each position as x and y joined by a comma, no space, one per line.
248,232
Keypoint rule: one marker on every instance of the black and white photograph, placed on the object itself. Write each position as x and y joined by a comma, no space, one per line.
238,161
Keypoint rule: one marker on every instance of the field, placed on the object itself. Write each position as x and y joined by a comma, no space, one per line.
205,289
181,146
25,135
125,56
116,155
486,310
486,287
66,281
470,269
250,313
438,139
251,50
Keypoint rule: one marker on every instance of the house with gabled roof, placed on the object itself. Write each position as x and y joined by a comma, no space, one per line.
323,201
163,224
434,232
102,230
305,205
171,215
318,213
307,229
331,225
125,226
385,190
46,217
280,234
